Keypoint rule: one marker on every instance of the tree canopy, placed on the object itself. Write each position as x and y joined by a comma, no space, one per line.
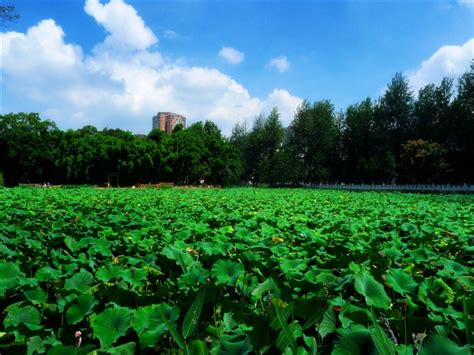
401,137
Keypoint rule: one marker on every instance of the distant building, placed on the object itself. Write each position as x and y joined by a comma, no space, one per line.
167,121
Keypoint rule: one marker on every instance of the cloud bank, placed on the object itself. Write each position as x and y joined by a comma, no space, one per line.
124,81
448,61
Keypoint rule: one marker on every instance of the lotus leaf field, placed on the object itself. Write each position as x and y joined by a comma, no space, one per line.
235,271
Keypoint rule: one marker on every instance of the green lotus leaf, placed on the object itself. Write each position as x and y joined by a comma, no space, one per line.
6,252
400,281
438,344
47,273
243,233
61,349
80,282
72,244
146,318
372,290
328,325
211,248
266,287
455,269
135,277
9,273
266,230
36,296
124,349
149,338
83,305
354,340
28,315
111,324
435,289
325,278
201,228
292,267
64,301
409,228
182,259
227,272
194,277
229,322
37,344
149,324
170,312
107,274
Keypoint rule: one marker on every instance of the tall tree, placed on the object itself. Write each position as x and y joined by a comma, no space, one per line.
272,139
460,130
239,139
394,124
359,142
254,151
432,111
313,140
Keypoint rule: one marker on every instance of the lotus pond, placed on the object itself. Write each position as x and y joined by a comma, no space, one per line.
235,271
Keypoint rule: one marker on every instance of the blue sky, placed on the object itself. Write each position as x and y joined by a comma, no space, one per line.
115,64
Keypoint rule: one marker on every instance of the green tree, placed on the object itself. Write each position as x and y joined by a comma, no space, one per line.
432,111
27,147
254,151
200,153
460,130
393,126
272,140
359,142
313,140
423,161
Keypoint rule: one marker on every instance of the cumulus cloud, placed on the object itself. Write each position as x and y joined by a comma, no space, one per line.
451,61
125,27
123,82
285,102
231,55
279,63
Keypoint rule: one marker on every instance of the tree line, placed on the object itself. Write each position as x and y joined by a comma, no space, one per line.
403,138
34,150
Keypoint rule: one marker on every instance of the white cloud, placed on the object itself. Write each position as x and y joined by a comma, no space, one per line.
468,3
279,63
123,82
126,28
451,61
285,102
231,55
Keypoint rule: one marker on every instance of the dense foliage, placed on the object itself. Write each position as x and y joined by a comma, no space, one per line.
235,271
398,138
32,150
